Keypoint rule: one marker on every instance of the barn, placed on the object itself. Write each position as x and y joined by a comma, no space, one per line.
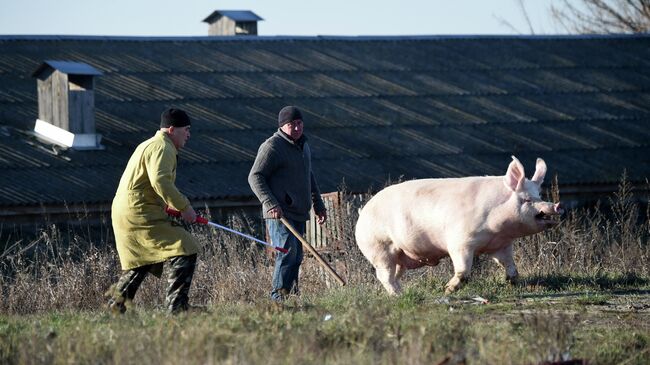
376,109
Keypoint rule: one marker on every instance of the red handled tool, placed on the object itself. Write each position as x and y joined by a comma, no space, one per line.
201,220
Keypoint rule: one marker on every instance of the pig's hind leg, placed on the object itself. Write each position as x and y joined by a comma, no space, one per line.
388,279
380,251
387,269
399,271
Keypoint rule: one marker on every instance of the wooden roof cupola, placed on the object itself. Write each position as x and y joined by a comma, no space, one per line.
66,104
232,22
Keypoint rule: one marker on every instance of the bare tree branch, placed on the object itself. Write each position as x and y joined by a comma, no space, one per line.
603,16
507,24
524,12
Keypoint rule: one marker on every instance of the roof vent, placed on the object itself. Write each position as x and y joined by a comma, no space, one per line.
66,104
232,22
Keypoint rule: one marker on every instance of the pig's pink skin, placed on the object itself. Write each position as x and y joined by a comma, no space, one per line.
415,223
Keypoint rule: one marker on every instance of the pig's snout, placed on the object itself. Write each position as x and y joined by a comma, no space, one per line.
549,215
557,207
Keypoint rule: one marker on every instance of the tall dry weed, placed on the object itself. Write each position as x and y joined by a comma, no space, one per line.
592,241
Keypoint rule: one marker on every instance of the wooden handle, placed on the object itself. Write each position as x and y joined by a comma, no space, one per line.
312,251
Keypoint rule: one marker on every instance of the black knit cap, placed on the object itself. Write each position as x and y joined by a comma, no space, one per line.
288,114
174,118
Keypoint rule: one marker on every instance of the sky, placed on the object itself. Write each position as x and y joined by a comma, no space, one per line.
281,17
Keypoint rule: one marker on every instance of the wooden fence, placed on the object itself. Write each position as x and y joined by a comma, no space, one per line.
342,214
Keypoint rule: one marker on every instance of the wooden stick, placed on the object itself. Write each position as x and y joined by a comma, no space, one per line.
312,251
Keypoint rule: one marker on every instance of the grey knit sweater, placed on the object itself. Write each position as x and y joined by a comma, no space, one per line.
282,176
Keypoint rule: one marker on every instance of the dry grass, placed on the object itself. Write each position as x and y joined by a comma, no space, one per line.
66,268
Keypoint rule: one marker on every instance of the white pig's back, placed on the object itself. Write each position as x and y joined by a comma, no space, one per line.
403,213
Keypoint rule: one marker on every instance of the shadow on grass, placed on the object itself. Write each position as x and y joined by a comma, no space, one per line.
629,282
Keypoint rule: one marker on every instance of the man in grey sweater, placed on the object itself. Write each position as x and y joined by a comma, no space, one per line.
283,181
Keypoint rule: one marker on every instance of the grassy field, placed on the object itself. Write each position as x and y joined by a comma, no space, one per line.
604,320
584,294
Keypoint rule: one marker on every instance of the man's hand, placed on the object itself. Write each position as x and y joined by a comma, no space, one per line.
275,212
189,215
322,217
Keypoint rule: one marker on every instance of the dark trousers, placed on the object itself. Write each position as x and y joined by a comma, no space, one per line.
179,280
287,265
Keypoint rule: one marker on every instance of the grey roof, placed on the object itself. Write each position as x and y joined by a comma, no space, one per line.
375,108
67,67
236,15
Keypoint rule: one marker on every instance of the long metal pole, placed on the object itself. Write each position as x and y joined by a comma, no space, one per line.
312,251
202,220
205,221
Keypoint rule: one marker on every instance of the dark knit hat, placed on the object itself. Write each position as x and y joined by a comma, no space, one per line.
288,114
174,118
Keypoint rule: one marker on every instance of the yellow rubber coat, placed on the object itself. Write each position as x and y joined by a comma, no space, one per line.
144,234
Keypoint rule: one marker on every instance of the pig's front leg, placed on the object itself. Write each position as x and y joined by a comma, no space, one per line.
387,277
462,260
504,258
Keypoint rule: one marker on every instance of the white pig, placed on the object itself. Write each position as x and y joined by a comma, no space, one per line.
416,223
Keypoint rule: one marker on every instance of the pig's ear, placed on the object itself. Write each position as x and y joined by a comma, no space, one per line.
515,176
540,172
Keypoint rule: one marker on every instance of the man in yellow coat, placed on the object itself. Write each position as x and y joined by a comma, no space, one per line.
144,235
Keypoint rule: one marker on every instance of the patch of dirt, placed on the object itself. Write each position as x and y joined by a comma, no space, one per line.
630,307
597,308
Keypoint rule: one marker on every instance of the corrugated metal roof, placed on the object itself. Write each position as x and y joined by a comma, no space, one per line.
67,67
236,15
375,108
